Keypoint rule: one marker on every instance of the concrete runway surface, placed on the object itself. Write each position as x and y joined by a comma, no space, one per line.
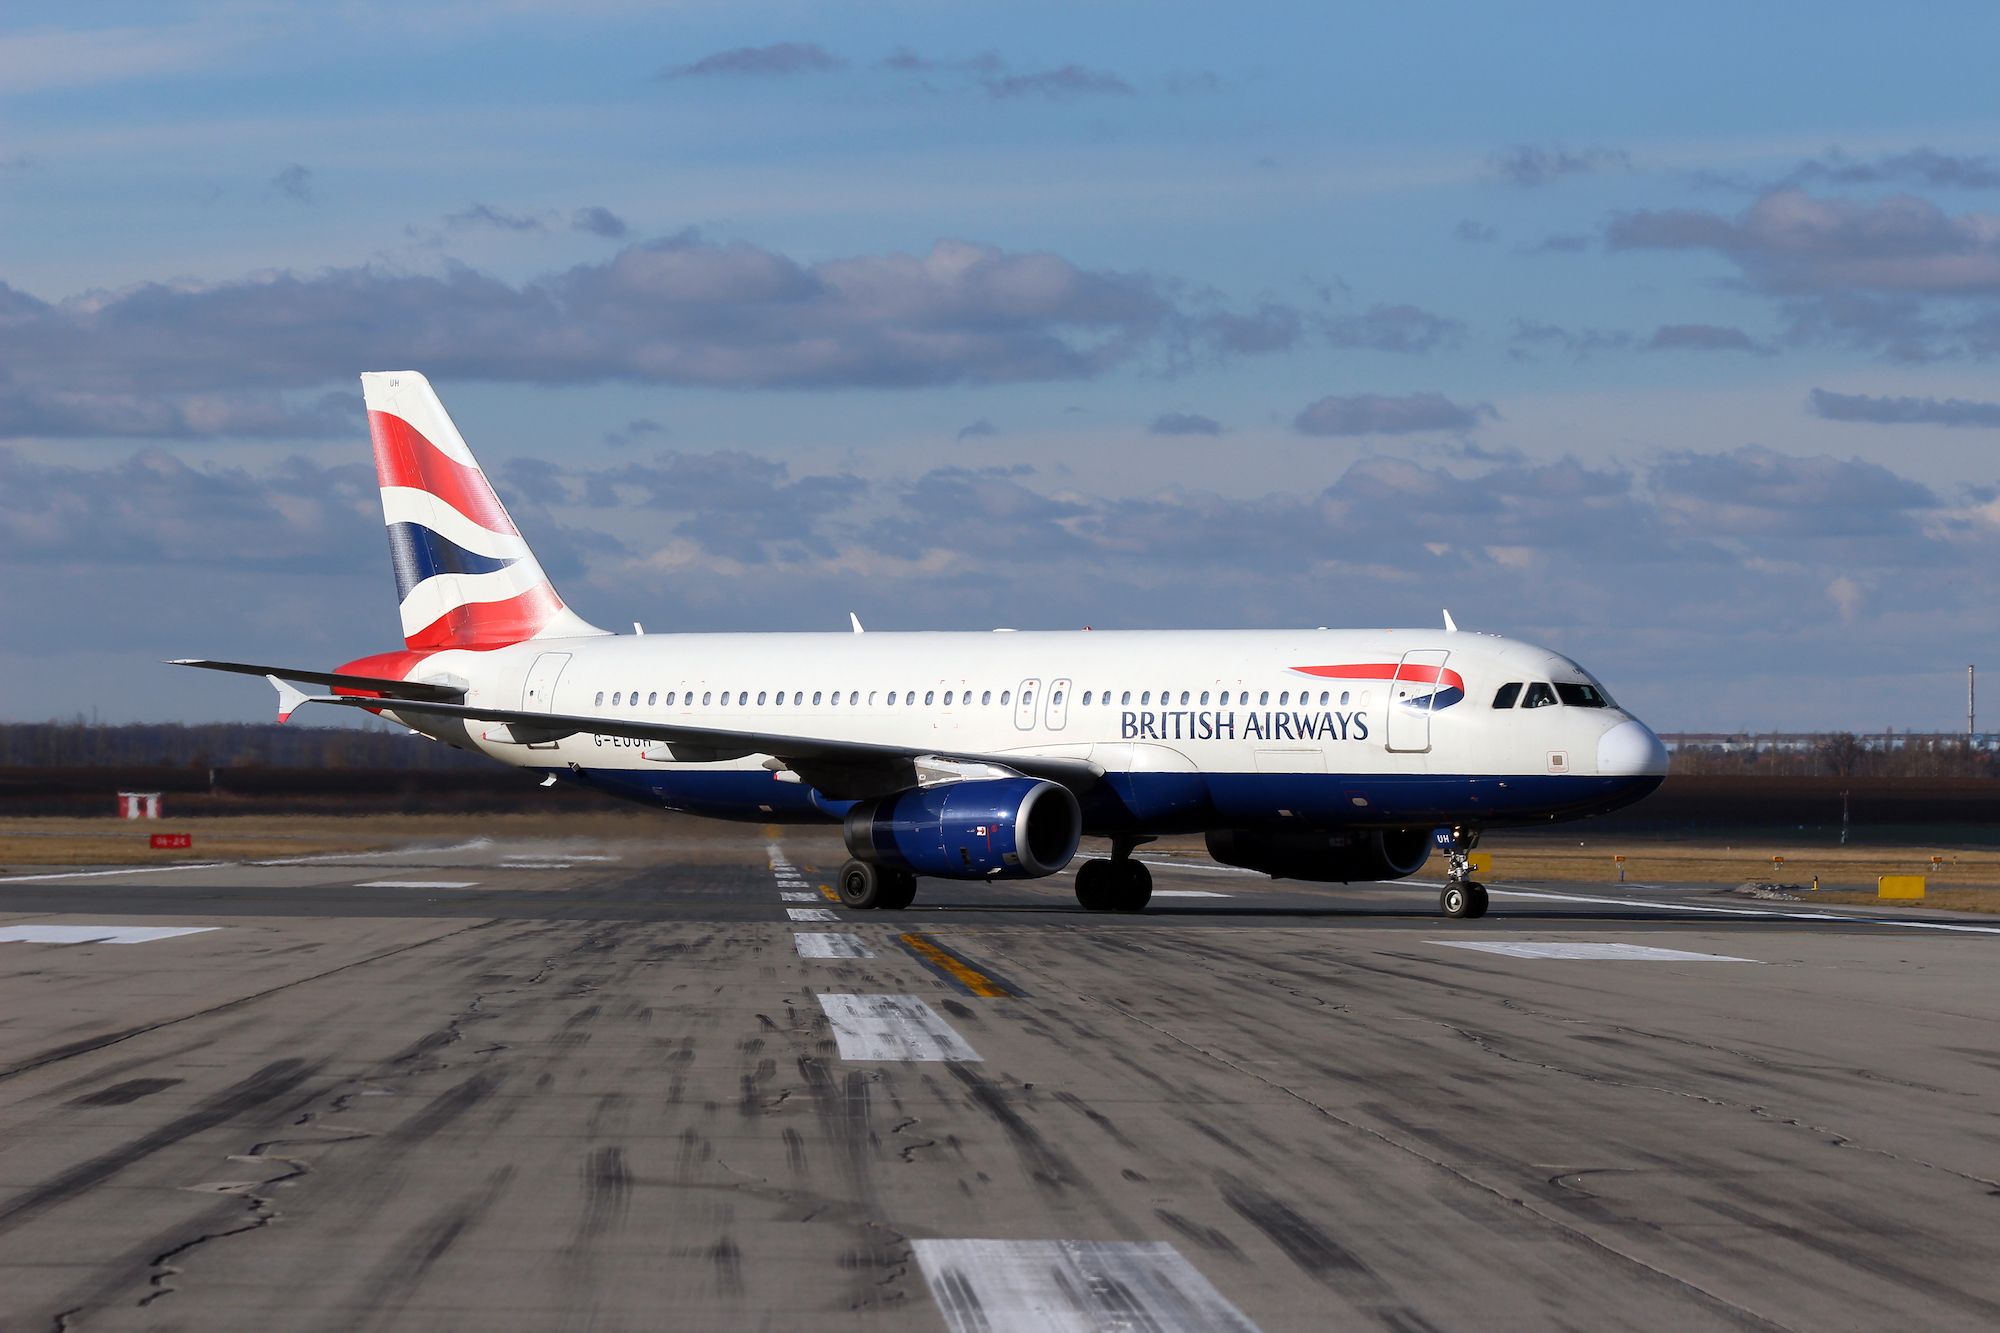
549,1086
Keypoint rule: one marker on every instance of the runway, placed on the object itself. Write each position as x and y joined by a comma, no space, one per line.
625,1086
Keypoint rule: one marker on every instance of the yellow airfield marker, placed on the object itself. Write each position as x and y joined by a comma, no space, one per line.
1899,886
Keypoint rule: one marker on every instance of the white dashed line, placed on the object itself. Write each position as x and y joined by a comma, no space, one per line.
131,870
1187,893
95,934
810,914
1012,1286
418,884
800,898
892,1027
827,945
1633,953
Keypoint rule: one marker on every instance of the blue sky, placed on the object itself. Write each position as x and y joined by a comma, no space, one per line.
1666,340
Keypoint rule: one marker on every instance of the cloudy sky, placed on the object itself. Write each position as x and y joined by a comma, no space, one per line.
1670,343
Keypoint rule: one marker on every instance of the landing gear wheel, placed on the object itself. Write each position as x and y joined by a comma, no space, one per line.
899,890
861,884
1135,886
1456,901
1475,899
1096,886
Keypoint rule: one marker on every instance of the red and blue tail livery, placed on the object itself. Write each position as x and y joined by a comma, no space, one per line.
464,576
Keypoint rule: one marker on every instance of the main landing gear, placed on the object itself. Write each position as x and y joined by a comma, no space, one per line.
1117,885
864,884
1462,896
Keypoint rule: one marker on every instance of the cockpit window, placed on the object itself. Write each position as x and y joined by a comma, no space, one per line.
1540,695
1505,696
1578,695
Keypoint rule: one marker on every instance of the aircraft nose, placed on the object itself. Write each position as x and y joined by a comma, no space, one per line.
1630,749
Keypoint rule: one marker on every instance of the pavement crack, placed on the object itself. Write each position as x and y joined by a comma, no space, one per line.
1575,1235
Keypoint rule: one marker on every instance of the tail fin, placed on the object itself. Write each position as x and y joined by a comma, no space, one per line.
464,576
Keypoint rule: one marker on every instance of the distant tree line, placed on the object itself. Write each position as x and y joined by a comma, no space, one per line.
203,745
1841,755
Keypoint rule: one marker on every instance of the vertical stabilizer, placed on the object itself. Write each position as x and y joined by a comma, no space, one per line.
464,576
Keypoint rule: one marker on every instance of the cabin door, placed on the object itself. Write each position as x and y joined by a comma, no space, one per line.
1412,697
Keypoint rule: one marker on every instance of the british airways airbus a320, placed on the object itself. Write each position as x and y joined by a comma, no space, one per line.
1331,755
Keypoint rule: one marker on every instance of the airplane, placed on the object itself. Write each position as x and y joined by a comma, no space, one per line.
1329,755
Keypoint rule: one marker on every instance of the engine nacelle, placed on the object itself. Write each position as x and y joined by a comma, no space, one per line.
999,828
1326,857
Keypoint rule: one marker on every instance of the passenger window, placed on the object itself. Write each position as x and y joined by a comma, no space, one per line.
1055,699
1005,695
798,697
986,696
853,697
723,702
1578,695
652,698
834,699
1027,698
633,698
930,697
1505,696
1264,698
1145,698
670,698
871,697
600,699
705,696
743,698
910,697
1285,697
817,696
1184,696
616,695
760,698
779,698
1540,695
1125,698
947,698
1344,697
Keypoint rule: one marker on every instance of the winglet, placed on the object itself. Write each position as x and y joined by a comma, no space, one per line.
855,621
288,698
1450,625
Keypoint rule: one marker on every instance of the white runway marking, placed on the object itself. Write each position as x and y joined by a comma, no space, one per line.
1202,867
535,865
130,870
810,914
892,1027
1187,893
799,898
831,946
94,934
418,884
1776,913
1637,953
1060,1286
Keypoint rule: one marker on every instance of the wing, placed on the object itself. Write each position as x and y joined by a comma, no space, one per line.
842,769
382,685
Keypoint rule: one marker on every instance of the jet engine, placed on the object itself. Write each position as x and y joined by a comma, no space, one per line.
998,828
1344,857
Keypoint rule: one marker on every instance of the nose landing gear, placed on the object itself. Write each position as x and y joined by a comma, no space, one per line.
1462,896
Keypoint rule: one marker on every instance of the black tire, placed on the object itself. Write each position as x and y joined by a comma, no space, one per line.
1455,901
1477,894
1094,892
861,885
1135,886
899,890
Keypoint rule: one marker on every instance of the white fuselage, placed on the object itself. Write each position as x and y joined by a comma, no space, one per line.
1193,729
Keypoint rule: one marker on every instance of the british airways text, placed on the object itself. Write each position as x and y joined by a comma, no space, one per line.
1207,725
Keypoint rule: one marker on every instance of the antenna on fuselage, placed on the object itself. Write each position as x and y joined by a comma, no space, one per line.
855,621
1450,625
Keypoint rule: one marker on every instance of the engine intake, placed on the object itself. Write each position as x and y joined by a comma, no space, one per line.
1001,828
1325,857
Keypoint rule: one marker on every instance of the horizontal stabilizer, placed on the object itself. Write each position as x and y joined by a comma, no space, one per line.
395,689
